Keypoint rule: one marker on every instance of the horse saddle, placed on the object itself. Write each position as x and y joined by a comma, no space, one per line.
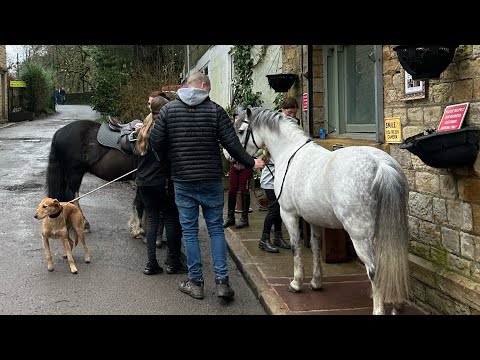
119,136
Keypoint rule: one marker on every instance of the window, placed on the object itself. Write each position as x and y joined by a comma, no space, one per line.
354,90
204,70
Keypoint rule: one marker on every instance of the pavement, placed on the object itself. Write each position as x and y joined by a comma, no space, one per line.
345,291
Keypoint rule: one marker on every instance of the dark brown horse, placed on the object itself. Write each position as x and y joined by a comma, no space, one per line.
75,151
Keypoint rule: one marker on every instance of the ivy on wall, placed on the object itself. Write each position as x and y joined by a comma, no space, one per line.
242,82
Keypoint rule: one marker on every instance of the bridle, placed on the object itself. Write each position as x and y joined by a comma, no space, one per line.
250,133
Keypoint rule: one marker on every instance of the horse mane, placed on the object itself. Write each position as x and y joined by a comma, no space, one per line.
271,119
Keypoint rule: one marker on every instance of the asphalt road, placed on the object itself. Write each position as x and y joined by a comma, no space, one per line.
113,283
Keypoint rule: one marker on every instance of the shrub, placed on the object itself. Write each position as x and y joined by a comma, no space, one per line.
39,88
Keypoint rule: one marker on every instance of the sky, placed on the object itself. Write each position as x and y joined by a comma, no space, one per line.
12,51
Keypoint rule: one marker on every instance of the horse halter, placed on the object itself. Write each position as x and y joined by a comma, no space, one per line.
249,133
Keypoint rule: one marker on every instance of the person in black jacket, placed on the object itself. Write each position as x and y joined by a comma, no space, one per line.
191,128
158,197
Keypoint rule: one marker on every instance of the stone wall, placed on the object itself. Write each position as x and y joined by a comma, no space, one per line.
3,83
444,204
318,95
295,61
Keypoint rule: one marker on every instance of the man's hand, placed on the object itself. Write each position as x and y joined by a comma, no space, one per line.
259,164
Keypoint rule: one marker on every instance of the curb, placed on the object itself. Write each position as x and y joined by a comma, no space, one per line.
5,125
269,298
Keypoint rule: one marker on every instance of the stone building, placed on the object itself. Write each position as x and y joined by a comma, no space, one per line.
3,83
351,89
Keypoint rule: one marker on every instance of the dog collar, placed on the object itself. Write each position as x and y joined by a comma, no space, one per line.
57,214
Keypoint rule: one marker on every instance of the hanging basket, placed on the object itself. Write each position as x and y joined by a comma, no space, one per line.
281,82
425,61
446,149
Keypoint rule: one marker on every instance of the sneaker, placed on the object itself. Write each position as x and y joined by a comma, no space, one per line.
189,287
177,269
224,290
152,270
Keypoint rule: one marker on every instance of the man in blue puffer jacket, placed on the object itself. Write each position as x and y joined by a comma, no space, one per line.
190,129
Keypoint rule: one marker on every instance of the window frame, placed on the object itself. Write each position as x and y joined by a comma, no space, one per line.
336,91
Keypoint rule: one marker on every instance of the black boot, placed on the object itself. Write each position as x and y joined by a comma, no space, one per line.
232,200
279,241
245,206
265,244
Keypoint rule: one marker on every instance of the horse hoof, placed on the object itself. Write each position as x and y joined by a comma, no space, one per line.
315,286
397,309
292,289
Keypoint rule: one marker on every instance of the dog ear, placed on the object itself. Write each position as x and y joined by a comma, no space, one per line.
55,201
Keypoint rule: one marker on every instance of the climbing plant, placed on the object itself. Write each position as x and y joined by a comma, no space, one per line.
242,82
278,101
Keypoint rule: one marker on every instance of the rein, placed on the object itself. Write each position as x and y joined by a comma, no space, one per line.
79,197
288,165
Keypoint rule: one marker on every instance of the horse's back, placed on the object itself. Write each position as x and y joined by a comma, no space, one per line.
326,185
76,143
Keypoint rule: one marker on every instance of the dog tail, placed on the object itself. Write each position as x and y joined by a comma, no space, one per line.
56,179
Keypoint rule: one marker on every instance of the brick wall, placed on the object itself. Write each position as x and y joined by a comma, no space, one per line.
444,204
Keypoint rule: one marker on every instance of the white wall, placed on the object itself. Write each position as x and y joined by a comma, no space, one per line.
218,60
271,63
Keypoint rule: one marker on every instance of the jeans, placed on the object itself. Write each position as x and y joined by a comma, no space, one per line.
209,195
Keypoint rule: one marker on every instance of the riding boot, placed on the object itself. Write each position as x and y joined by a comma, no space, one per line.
245,205
232,200
279,241
265,244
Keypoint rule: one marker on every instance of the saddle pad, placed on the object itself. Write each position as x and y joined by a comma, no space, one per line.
110,138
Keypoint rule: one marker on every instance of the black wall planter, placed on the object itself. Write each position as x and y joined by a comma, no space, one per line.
425,61
281,82
447,149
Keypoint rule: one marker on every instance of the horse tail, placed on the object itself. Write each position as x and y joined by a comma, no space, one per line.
56,178
390,192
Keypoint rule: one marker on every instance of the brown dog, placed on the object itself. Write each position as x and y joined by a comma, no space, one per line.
58,219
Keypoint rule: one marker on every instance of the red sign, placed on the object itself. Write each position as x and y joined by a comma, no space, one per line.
305,101
453,116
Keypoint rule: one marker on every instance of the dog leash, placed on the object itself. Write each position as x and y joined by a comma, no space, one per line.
78,198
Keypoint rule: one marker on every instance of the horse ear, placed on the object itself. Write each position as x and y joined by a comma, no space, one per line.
249,112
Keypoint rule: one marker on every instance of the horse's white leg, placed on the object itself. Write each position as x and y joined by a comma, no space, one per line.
134,225
364,250
316,282
291,223
378,305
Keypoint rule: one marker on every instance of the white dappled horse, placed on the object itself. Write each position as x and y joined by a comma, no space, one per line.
358,188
